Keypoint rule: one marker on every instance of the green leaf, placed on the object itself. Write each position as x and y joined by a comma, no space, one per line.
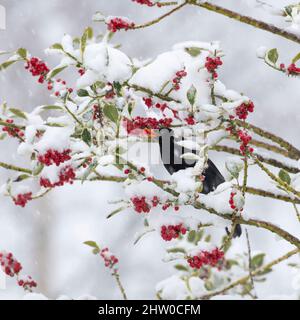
22,177
87,34
115,212
22,53
180,267
111,112
38,169
191,95
55,71
284,176
3,136
193,51
57,46
207,238
176,250
296,58
191,236
52,107
86,136
257,261
18,113
82,93
6,64
92,244
273,55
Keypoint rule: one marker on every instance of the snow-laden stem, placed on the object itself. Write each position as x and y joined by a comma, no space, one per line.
282,183
270,161
116,275
253,222
14,168
256,272
248,20
293,152
268,194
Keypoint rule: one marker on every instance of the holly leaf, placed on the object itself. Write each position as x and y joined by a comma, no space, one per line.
111,112
87,34
284,176
115,212
82,93
22,177
86,136
93,244
180,267
191,95
55,71
18,113
273,55
57,46
193,51
257,261
22,53
296,58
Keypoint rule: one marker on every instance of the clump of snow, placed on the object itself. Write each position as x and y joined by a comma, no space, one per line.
104,63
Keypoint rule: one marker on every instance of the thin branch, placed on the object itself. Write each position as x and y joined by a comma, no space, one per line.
116,275
248,20
270,161
157,20
252,222
294,153
150,92
14,168
250,264
269,194
282,183
256,272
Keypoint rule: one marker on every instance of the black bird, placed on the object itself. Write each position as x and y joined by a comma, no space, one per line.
171,157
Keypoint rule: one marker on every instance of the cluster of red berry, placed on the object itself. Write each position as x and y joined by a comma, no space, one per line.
161,106
146,2
291,70
37,68
109,259
178,77
190,120
172,232
9,264
206,258
22,199
245,139
231,200
115,24
13,131
26,282
81,71
212,65
244,109
54,157
66,175
141,205
146,123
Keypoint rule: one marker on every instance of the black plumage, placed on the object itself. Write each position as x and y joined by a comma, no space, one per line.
171,157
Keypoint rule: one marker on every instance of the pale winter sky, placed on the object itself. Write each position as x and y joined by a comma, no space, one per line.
47,235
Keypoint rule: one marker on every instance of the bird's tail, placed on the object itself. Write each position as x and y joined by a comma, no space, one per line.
213,178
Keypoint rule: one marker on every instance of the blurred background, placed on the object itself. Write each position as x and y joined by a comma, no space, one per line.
47,235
